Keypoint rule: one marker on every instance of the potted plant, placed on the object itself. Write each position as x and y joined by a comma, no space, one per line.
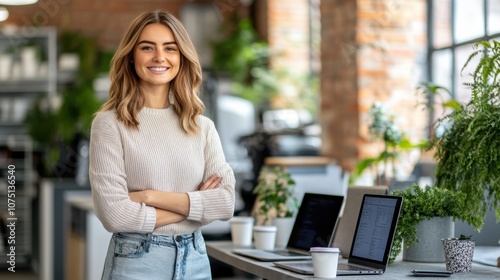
421,204
458,253
383,128
58,123
468,151
275,201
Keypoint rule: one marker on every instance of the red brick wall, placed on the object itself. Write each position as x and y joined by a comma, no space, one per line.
372,50
104,20
288,34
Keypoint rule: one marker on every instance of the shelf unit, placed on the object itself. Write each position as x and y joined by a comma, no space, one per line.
16,157
28,69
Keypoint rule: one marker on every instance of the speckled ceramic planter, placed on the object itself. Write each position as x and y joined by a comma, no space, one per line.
458,254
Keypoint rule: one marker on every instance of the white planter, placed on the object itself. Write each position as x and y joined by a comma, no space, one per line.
430,248
285,226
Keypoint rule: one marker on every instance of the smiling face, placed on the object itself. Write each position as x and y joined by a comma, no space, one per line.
156,57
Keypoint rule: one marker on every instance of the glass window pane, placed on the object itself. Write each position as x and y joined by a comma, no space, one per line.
441,23
493,16
469,20
441,70
462,93
441,75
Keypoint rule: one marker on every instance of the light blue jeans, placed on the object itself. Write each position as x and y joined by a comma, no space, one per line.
141,256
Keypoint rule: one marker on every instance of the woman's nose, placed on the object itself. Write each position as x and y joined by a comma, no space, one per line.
159,56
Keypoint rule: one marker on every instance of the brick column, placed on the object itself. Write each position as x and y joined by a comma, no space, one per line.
371,50
288,34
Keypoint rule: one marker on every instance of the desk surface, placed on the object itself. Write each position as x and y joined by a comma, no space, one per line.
222,251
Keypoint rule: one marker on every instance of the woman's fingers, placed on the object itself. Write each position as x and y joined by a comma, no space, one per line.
212,183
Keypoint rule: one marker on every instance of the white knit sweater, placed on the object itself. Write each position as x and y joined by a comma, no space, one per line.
159,156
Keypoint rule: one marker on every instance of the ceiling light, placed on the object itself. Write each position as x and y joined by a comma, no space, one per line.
4,13
17,2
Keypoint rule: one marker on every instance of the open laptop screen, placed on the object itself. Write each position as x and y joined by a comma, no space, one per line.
375,230
315,222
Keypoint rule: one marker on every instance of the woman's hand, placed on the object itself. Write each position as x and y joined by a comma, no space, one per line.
212,183
172,201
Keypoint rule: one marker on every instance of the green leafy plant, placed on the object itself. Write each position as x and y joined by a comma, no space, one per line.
465,237
55,123
383,128
244,57
425,203
275,193
468,151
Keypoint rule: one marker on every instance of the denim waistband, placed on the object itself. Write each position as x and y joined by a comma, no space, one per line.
165,240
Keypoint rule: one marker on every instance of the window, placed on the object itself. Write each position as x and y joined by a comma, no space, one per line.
454,27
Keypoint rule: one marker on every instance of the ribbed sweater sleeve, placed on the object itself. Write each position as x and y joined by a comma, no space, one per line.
112,204
158,155
207,206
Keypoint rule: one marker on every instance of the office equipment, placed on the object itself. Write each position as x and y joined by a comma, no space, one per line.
431,273
372,240
314,226
349,217
223,252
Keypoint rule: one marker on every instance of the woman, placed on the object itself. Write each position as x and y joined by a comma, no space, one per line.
157,169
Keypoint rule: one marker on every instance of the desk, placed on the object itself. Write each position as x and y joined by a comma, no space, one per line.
221,250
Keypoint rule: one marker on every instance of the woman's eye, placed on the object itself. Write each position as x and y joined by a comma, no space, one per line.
170,49
146,48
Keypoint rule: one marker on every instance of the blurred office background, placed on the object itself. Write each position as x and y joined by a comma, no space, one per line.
281,78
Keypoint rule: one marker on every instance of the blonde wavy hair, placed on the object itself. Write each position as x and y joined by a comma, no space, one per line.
124,94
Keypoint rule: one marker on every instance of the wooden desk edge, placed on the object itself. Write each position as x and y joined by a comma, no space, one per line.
299,161
266,270
221,250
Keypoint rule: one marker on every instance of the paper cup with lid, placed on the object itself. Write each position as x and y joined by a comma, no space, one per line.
325,261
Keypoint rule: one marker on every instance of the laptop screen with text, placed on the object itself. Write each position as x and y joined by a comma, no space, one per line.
375,230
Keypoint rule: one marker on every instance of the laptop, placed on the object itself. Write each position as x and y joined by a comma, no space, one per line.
314,226
349,216
372,239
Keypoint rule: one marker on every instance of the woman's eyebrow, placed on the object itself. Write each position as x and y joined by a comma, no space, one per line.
153,43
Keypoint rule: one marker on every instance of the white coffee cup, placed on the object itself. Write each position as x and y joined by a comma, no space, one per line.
264,237
325,261
241,231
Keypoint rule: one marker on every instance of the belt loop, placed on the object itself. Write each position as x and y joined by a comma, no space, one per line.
147,244
195,240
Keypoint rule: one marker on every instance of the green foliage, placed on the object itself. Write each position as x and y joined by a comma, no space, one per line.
244,57
383,128
425,203
56,121
275,191
465,237
435,95
468,152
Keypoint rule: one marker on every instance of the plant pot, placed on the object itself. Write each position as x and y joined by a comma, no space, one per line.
429,233
458,254
285,226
